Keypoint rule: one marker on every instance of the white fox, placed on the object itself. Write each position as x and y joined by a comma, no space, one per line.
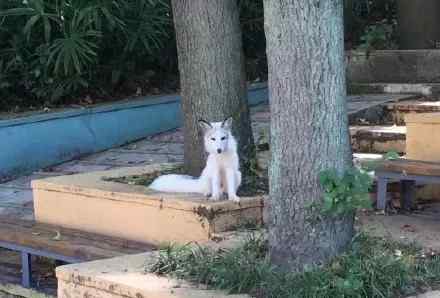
221,174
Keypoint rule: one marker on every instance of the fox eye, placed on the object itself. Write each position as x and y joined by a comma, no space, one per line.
223,138
212,139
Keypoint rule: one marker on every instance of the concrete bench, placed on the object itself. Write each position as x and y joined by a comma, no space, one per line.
408,172
65,245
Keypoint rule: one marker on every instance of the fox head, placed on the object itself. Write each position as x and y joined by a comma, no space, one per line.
217,135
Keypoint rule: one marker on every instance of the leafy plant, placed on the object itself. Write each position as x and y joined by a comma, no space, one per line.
378,36
391,155
345,194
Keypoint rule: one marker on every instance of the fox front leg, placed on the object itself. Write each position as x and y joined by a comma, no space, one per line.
207,191
205,184
232,185
216,187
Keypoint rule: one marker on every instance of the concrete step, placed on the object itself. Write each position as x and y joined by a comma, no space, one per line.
378,139
377,112
393,66
428,89
372,141
398,110
360,159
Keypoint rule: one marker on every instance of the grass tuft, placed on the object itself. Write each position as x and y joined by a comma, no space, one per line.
371,268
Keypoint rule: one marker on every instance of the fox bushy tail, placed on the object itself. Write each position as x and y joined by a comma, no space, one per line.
178,183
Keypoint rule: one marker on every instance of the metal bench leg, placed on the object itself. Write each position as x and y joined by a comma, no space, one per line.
407,193
26,270
382,193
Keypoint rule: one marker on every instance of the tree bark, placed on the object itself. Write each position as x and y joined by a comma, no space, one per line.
418,23
212,75
309,128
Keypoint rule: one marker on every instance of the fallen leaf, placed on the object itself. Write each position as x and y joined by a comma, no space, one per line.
408,228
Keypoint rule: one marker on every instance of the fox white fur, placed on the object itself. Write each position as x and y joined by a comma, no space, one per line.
221,174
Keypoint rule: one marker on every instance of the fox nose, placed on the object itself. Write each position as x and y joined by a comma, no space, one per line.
219,151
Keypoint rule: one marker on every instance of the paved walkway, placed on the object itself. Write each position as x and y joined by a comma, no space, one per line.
16,195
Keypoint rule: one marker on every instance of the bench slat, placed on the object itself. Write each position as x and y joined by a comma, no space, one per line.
410,167
66,242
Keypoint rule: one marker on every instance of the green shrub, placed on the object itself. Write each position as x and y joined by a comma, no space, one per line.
368,22
379,36
55,50
50,49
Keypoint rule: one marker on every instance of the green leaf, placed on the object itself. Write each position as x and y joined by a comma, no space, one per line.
16,12
391,155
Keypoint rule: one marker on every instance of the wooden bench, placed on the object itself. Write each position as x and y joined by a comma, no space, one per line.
65,245
408,172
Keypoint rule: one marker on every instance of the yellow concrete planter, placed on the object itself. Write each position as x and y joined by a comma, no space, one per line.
126,277
423,143
423,136
87,202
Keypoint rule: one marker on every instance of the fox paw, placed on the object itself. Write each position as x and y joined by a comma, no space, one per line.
215,197
234,198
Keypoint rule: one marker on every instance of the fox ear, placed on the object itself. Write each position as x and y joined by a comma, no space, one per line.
227,123
204,125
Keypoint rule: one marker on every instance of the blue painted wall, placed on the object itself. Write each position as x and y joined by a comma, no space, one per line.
31,143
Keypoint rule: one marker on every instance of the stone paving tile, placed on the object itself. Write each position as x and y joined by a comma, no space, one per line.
16,202
24,182
148,146
431,294
18,196
174,136
116,158
78,166
18,212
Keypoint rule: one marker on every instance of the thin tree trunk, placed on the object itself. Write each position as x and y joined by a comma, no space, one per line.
309,128
212,74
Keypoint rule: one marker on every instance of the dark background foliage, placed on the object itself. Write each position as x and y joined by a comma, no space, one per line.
61,52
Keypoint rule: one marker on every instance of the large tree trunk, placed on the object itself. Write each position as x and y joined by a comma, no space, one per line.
309,128
419,24
212,74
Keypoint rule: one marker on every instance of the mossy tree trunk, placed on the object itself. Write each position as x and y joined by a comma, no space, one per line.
212,74
309,128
